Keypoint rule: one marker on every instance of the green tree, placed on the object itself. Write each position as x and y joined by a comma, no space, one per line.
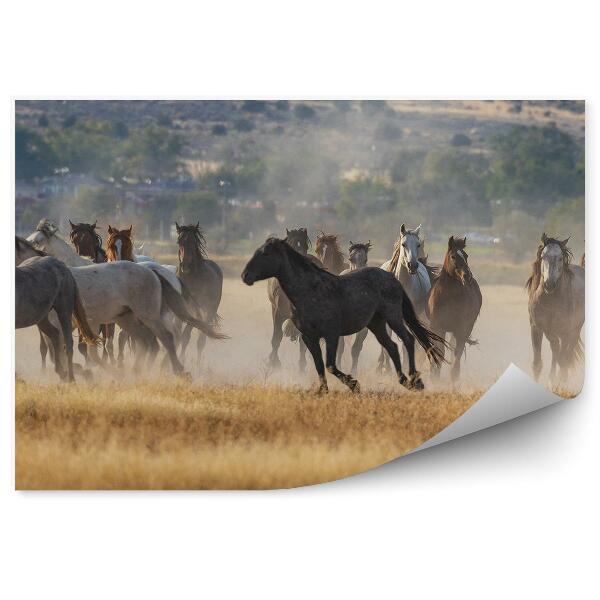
34,157
200,206
365,196
536,166
154,152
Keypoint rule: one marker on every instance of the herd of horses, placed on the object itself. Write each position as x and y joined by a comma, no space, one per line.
62,285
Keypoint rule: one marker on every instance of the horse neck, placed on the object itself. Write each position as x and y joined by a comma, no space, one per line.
63,251
196,262
293,278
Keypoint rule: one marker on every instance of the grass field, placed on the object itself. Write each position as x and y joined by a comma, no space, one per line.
238,424
181,436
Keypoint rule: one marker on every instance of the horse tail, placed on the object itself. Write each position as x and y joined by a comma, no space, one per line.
424,336
290,330
85,331
176,304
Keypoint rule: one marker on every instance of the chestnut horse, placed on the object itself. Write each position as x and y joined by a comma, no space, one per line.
329,253
454,302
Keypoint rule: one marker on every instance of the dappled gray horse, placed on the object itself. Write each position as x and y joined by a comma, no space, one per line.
556,306
44,284
358,255
330,306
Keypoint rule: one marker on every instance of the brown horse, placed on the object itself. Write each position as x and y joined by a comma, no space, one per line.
329,253
454,302
556,305
358,255
202,276
87,242
119,244
281,307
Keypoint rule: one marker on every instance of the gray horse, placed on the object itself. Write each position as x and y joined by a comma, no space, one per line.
330,306
202,276
358,255
556,306
44,284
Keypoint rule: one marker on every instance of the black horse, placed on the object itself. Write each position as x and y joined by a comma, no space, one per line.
330,306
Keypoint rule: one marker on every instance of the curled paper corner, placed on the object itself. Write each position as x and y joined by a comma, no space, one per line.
513,395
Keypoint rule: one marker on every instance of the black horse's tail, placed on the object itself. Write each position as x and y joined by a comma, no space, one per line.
425,337
176,304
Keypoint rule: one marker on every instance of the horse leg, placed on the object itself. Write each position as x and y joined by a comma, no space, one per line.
359,340
459,348
536,343
122,339
53,335
331,347
379,329
556,357
109,333
340,350
64,314
301,356
408,340
434,369
185,340
315,349
278,320
43,349
165,337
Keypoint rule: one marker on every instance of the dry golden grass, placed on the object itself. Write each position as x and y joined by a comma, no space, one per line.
173,435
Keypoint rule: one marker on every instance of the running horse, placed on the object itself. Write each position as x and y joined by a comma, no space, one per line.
330,306
88,242
329,253
556,305
454,302
281,307
409,266
358,257
202,276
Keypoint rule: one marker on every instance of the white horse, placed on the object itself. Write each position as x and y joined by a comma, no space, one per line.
408,269
129,294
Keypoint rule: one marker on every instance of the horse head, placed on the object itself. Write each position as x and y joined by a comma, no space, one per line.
358,253
553,258
266,261
298,239
86,240
410,247
456,260
191,243
119,244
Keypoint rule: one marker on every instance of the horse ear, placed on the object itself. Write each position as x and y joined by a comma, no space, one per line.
464,241
565,242
403,229
72,224
417,229
351,243
94,224
450,242
129,230
198,225
544,238
287,231
177,228
110,229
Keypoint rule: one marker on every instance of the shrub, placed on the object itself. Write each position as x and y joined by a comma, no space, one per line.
218,129
69,121
460,139
254,106
43,121
243,125
304,112
388,131
282,105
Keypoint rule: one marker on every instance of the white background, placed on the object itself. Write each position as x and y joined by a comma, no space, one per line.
507,513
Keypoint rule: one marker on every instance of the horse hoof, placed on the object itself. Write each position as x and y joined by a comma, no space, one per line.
417,384
185,375
323,389
274,363
354,386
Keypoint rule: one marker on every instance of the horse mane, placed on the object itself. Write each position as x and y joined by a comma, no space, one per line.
533,281
298,260
360,246
199,238
28,244
330,238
